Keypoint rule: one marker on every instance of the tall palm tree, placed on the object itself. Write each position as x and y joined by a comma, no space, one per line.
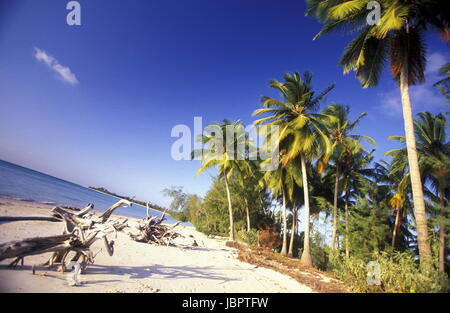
302,135
434,163
398,36
282,182
394,179
344,146
293,231
223,154
248,179
295,202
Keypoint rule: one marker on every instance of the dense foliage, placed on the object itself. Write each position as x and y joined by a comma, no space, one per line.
365,230
394,212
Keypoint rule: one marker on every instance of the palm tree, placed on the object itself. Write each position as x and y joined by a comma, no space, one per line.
282,182
248,179
293,231
444,83
434,163
394,179
224,156
398,36
294,203
302,133
344,146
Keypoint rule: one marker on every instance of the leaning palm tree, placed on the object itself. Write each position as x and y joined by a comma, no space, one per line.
222,153
434,163
344,146
398,36
302,135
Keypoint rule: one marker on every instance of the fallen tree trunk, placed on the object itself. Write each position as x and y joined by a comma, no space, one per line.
29,218
32,246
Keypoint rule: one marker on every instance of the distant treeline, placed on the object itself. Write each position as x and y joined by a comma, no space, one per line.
143,203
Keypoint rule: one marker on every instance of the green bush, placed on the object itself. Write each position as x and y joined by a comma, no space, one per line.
249,237
399,273
319,251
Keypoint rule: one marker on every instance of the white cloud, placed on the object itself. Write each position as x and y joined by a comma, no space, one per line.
390,103
423,97
435,61
63,72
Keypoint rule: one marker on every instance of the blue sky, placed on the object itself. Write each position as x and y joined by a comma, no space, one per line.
95,104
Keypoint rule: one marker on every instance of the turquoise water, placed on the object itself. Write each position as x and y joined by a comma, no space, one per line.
20,183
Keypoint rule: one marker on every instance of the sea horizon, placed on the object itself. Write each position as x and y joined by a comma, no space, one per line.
21,183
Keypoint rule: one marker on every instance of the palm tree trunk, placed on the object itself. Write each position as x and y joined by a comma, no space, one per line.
266,211
442,234
247,211
230,209
336,191
347,228
306,259
398,223
416,184
294,226
284,248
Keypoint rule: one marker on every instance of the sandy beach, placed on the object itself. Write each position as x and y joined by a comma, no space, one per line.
137,267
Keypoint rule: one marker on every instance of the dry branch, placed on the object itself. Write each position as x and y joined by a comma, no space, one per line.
86,210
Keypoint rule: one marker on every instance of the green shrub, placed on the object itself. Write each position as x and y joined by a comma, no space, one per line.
399,273
319,251
248,237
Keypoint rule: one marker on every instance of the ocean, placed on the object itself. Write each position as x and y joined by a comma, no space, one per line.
24,184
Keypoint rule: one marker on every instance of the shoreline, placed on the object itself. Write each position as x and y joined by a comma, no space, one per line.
122,198
18,199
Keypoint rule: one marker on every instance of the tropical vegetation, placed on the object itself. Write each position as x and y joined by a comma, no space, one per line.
393,211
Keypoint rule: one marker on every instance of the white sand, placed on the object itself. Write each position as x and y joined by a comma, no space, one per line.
138,267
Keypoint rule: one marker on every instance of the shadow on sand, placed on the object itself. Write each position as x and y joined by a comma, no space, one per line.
156,271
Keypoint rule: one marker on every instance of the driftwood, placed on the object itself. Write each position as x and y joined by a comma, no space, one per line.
84,211
31,246
104,217
54,218
29,218
151,230
81,230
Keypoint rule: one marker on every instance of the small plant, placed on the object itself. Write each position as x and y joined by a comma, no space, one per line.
249,237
